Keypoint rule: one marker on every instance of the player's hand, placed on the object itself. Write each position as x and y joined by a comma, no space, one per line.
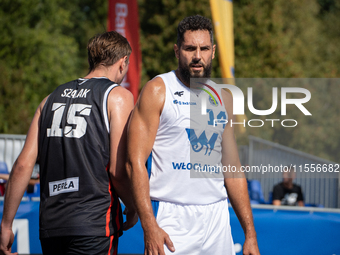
131,218
154,240
6,241
250,246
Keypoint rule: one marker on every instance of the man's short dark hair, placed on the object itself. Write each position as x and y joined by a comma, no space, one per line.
194,23
106,49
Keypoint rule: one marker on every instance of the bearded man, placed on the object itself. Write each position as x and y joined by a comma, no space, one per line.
181,212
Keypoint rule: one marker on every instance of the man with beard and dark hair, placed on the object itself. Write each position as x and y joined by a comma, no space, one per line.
193,23
178,208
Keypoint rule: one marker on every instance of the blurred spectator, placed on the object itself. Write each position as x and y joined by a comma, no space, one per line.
286,192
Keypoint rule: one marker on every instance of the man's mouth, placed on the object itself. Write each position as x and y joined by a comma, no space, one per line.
196,67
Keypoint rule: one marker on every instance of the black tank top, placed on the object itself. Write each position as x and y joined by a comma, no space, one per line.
77,197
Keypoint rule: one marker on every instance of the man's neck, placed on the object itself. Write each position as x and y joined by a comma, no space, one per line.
195,85
109,72
97,73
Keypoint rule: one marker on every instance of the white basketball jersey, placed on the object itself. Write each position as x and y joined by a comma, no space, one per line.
187,149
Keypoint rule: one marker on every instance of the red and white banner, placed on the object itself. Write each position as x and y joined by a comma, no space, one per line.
123,18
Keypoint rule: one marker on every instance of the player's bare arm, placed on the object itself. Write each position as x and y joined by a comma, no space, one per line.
141,136
236,183
120,105
18,181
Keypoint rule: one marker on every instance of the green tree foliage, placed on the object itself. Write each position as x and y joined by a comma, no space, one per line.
35,57
277,38
291,39
43,45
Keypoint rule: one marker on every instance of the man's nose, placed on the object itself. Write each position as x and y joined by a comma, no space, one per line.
197,54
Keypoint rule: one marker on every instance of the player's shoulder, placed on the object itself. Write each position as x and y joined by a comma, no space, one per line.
228,102
120,91
152,96
42,104
227,97
156,86
154,90
120,94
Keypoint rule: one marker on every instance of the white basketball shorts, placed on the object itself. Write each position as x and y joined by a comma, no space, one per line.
196,229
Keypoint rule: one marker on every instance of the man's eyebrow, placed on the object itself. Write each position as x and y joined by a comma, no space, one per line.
195,46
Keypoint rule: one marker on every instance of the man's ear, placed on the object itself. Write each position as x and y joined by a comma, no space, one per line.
176,49
214,49
123,62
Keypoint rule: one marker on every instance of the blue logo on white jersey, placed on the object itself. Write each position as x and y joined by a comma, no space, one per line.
202,141
184,166
197,167
183,103
213,102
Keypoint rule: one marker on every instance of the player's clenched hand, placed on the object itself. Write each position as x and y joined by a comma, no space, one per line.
250,246
131,218
6,241
154,240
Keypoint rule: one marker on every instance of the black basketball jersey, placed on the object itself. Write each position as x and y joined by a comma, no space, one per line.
77,197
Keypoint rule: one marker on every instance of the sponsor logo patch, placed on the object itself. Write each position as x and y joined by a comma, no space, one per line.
64,186
183,103
179,93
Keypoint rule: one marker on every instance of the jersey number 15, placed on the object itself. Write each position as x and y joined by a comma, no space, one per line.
76,124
